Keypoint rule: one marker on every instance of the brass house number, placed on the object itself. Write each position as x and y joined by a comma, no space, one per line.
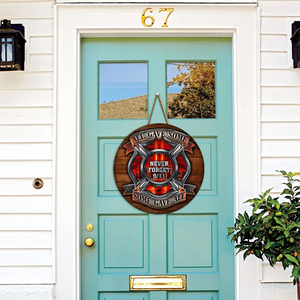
149,18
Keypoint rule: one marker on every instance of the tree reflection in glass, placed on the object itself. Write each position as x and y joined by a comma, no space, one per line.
191,90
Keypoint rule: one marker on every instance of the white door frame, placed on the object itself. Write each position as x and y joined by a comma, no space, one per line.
73,22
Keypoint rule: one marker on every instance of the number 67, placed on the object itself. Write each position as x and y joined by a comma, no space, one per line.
144,18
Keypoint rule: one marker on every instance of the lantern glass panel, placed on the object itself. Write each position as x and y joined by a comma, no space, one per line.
9,50
6,50
3,51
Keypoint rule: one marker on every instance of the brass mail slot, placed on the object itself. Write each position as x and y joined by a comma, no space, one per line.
158,283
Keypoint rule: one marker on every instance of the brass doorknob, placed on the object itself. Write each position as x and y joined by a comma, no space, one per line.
89,242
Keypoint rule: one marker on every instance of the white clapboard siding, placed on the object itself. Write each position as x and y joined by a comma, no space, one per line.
26,204
276,9
28,115
34,239
276,274
279,94
41,27
26,133
280,130
287,163
41,45
282,77
41,62
280,112
26,150
21,187
272,181
26,80
25,257
25,169
1,1
27,97
273,25
26,275
274,42
29,151
280,148
280,107
28,10
274,60
25,222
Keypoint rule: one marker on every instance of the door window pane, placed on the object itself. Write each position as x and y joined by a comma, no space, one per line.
123,91
191,90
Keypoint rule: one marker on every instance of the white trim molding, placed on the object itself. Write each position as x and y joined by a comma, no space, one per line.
105,20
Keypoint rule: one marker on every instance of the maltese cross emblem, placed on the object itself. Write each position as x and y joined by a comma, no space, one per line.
159,168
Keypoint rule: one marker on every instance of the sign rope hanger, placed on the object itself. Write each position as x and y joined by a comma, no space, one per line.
157,95
158,168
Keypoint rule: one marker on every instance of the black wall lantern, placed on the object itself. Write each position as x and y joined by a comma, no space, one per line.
296,43
12,46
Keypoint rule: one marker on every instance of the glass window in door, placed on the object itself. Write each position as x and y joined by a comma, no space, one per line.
123,89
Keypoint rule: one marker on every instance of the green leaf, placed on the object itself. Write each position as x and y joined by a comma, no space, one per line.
279,221
282,172
295,274
251,200
246,217
268,218
261,215
230,231
285,263
280,237
292,259
266,192
241,218
270,244
240,250
258,253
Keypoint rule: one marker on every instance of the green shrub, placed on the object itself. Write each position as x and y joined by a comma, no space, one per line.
272,230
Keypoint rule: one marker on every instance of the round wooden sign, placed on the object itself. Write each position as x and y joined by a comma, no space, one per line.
158,168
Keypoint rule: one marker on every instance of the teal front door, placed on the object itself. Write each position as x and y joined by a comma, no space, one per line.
190,241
